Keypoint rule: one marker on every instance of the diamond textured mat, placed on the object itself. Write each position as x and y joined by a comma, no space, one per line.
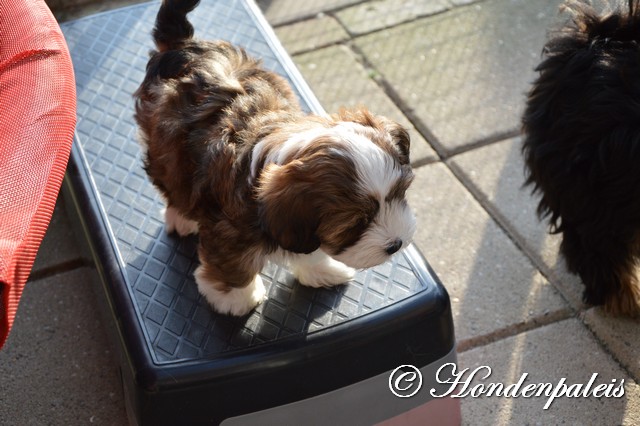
110,52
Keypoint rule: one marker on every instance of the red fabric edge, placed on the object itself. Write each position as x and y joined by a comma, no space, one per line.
19,265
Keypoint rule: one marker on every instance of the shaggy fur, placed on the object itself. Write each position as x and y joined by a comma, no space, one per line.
582,149
239,163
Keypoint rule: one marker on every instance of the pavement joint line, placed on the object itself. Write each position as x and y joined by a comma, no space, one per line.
425,162
397,24
534,323
397,100
417,122
605,347
490,140
91,7
388,90
310,16
60,268
513,234
319,47
333,11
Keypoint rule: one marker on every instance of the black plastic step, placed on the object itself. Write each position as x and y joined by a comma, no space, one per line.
177,355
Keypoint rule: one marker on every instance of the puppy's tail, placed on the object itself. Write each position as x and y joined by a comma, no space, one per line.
172,27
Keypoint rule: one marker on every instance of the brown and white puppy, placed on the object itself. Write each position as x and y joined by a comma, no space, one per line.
239,163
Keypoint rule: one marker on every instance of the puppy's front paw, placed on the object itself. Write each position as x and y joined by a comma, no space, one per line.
319,270
175,221
234,301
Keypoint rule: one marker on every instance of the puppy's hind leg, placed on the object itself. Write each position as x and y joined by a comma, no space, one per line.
625,300
608,268
318,269
228,275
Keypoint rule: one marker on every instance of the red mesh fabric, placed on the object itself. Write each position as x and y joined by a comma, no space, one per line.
37,120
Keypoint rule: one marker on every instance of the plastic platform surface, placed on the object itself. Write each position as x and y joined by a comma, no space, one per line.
170,337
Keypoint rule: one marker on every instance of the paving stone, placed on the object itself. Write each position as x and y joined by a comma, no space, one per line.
495,174
621,336
378,14
493,286
59,244
311,34
57,367
464,73
338,80
562,350
279,12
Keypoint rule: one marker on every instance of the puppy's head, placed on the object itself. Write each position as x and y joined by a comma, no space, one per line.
340,187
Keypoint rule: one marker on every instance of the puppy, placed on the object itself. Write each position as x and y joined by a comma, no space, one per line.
240,164
582,149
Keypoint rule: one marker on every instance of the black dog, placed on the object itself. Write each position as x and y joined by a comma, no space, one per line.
582,149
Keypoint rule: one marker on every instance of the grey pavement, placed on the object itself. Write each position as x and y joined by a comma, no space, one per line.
454,72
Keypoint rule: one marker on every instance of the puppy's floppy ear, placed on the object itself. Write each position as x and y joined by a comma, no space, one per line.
399,135
286,207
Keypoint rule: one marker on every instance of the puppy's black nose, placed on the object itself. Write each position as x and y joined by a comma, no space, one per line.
394,246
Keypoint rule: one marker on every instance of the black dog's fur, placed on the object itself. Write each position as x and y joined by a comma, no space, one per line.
582,149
